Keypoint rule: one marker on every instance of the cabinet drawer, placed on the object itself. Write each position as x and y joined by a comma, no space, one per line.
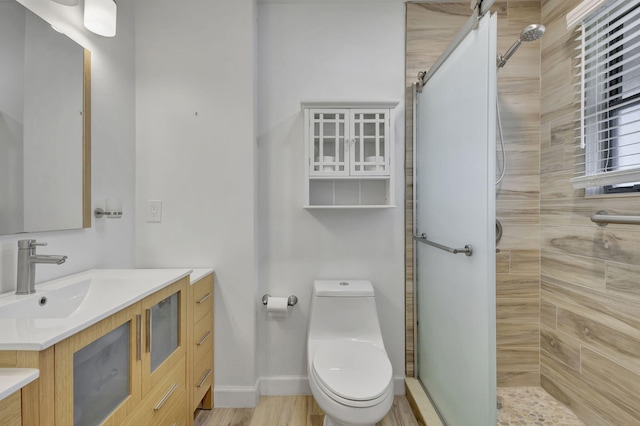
176,412
202,297
11,410
203,336
157,405
202,376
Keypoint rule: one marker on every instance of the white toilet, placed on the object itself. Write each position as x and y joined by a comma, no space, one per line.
349,371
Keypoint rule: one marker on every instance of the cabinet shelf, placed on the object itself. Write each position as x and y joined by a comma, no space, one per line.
347,207
349,178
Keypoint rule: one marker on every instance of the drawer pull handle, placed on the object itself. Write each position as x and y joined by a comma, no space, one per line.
204,338
138,337
204,378
205,297
165,397
175,424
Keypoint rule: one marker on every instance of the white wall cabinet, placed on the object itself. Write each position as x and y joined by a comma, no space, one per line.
349,149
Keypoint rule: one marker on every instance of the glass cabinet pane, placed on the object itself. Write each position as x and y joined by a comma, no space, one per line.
328,141
101,376
164,327
369,154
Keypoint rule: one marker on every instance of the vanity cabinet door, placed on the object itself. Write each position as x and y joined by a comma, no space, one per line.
11,410
97,371
165,333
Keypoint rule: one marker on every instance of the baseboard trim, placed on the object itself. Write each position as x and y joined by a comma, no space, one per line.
399,385
236,396
248,396
284,385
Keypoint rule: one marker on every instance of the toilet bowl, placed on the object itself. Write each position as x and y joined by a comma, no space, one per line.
349,371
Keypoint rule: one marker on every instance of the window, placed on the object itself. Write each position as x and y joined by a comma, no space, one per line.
611,99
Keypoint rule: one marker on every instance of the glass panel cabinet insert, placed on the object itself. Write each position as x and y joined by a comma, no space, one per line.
101,378
164,325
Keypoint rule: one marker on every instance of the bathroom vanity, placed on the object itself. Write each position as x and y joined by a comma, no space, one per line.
136,349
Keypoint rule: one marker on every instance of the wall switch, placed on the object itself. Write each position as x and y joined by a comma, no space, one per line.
154,211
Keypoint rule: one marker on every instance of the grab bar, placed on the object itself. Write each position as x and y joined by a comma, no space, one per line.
467,250
602,218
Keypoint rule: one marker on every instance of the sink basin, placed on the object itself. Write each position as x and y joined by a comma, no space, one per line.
61,302
64,306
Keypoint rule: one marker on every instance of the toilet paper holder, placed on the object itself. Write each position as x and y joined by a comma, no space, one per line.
291,301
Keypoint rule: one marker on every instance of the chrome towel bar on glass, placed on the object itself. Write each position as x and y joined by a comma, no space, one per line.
468,250
602,218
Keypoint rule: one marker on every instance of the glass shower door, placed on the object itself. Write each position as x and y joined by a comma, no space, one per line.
455,207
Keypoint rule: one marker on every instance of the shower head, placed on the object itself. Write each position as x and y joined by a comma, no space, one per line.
530,33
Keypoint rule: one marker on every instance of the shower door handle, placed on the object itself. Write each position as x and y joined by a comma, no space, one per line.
467,250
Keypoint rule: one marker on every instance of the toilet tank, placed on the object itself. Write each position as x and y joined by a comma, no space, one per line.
344,309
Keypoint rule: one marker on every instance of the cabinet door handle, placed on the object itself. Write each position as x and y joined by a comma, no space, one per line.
204,338
205,297
138,337
165,397
204,377
148,330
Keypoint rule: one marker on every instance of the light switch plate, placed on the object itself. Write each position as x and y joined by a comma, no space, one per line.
154,211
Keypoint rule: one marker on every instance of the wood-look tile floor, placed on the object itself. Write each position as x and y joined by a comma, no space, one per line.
299,410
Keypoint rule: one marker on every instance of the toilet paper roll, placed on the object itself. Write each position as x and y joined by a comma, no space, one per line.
277,306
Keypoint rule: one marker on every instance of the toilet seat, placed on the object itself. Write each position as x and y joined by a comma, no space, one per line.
353,373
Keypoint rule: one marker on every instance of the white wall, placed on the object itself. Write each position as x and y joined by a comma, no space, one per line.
324,51
107,244
195,88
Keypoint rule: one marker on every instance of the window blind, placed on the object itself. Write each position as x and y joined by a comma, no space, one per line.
609,75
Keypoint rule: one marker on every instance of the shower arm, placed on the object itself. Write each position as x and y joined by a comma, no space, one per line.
502,59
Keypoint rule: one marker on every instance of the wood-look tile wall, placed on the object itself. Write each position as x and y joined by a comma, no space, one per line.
590,278
430,28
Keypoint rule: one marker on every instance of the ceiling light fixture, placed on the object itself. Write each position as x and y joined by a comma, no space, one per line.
100,17
66,2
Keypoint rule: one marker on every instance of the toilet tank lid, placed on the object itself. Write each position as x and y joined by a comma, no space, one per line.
343,288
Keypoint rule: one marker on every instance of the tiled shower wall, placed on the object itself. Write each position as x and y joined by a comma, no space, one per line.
430,28
590,278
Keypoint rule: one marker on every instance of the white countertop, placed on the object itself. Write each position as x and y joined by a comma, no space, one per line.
13,379
110,291
199,273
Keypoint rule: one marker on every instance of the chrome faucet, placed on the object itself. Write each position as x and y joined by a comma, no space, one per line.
27,260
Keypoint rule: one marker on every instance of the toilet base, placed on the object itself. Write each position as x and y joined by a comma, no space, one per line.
328,421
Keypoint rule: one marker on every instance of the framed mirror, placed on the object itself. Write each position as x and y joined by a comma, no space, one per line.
45,119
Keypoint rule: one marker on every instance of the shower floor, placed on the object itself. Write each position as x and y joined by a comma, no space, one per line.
529,405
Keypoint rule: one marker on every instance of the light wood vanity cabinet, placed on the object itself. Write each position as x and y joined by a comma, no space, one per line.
10,410
128,368
148,364
201,344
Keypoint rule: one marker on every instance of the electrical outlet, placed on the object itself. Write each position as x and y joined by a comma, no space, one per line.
154,211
